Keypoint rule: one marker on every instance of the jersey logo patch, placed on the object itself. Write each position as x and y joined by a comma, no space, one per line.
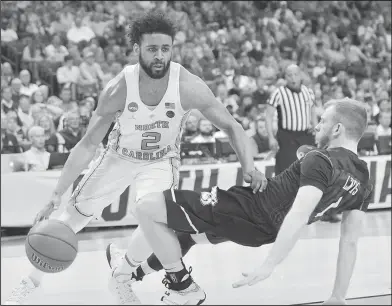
169,105
170,114
133,107
209,198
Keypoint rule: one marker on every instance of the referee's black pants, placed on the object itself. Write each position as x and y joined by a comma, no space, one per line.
289,142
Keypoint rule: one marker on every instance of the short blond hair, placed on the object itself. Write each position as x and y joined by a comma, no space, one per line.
352,114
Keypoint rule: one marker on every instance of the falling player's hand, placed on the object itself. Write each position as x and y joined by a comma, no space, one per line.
45,212
250,279
335,301
256,179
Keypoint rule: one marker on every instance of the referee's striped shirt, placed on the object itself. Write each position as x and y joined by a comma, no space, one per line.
294,109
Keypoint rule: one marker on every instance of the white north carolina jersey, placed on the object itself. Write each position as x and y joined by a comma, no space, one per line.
145,134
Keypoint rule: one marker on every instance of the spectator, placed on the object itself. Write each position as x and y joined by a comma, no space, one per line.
7,74
72,133
16,86
190,130
56,52
384,127
9,143
37,97
79,32
68,75
259,140
24,112
206,132
51,141
66,100
7,33
27,86
37,158
32,53
91,74
13,127
7,103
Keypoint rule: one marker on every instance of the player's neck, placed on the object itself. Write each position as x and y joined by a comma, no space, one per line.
146,78
347,144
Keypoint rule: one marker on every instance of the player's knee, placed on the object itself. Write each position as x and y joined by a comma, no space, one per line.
151,205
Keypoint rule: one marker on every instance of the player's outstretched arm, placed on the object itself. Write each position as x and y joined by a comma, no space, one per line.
111,100
351,229
195,94
305,202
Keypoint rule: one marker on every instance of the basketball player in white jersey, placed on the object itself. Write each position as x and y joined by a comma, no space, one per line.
150,102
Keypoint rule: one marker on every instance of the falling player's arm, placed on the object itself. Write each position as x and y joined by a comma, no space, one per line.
316,171
351,230
111,100
195,94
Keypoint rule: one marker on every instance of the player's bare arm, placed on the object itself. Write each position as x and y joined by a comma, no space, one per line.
111,100
195,94
305,202
350,231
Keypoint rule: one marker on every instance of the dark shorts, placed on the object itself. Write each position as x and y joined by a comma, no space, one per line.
233,215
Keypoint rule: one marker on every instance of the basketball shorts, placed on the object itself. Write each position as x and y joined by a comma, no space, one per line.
233,215
112,173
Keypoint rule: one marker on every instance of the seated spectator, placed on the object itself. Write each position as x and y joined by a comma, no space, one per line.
384,127
33,51
190,130
55,52
206,132
67,103
260,142
27,86
25,113
95,48
9,143
85,116
37,158
51,139
91,75
16,86
98,23
37,97
13,127
72,132
7,74
7,33
68,75
7,103
45,91
79,32
251,113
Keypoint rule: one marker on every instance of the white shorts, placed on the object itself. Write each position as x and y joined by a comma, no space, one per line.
112,173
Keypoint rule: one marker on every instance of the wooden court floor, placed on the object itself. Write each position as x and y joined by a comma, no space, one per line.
305,277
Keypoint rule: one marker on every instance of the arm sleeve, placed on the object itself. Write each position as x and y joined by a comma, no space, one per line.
274,98
316,170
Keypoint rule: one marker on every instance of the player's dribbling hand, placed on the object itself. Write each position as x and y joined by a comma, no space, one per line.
335,301
250,279
45,212
256,179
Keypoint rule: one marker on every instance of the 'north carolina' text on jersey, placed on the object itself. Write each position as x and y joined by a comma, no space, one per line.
144,133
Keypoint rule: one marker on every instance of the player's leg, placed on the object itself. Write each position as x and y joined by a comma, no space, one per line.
158,176
153,216
101,185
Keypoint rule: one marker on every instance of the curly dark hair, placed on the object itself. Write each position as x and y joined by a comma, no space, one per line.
154,21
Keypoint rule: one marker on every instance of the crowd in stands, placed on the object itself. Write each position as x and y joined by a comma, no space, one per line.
58,55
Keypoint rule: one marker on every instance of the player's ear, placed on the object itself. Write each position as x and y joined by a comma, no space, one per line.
338,128
136,48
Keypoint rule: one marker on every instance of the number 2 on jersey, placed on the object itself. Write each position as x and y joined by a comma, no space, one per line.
332,205
153,137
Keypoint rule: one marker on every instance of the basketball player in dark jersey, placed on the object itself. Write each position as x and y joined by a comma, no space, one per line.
323,181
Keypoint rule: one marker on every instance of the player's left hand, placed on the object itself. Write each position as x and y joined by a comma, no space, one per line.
335,301
250,279
256,179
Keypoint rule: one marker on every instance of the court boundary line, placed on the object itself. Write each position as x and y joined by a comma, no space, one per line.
353,298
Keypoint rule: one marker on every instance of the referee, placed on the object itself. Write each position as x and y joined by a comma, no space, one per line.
296,118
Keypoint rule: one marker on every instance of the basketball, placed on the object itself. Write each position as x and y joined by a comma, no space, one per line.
51,246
